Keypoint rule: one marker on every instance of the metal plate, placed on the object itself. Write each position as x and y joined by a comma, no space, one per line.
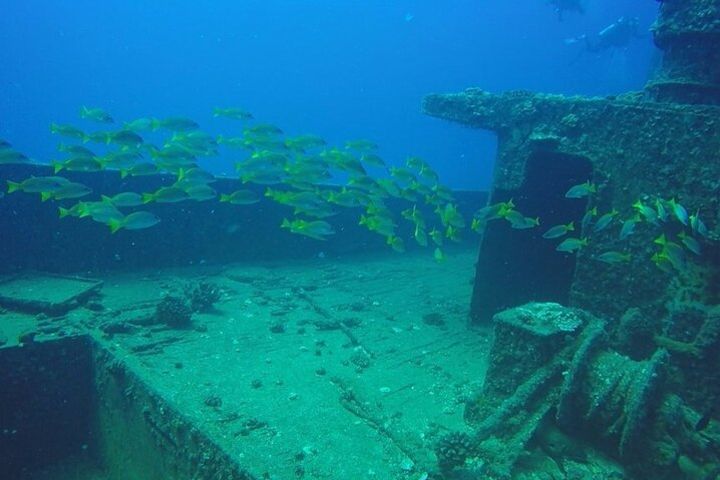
46,293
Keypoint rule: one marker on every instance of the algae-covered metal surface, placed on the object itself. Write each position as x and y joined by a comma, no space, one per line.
260,381
46,293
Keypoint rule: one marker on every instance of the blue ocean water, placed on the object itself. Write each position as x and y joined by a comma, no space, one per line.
340,69
236,300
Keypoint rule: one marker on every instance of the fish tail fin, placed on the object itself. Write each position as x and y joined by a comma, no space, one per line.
106,199
54,127
13,186
570,227
45,196
63,212
57,166
285,223
224,197
114,225
123,172
147,197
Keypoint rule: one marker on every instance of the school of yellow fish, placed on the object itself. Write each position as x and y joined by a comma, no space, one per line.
302,173
679,233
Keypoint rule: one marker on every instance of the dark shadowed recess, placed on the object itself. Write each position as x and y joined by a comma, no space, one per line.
530,269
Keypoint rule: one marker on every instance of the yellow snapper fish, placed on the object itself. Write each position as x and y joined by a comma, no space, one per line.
379,224
343,161
99,211
605,220
124,199
240,197
420,235
587,219
439,195
175,124
73,211
671,251
200,192
372,159
37,184
96,115
416,163
68,131
697,225
613,257
263,129
647,212
582,190
402,174
232,113
317,229
678,211
301,143
77,164
306,173
263,177
559,230
347,198
125,138
166,195
138,170
628,227
252,141
396,243
66,191
134,221
414,215
76,150
450,216
389,187
452,233
120,160
139,124
572,244
195,175
295,199
9,156
193,139
436,236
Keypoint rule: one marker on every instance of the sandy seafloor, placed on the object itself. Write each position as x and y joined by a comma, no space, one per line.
269,377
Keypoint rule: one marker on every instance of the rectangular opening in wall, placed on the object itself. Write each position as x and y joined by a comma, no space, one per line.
519,266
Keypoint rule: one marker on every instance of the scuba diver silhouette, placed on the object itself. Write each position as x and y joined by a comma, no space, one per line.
616,35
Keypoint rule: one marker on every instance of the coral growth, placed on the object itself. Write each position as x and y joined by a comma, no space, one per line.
174,312
453,449
202,296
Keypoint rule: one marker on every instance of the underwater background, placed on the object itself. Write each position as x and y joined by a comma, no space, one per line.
402,240
341,70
